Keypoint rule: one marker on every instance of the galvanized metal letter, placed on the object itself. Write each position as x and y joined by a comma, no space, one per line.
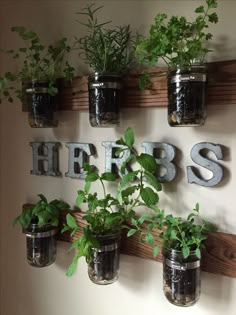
113,163
214,167
78,155
169,155
45,153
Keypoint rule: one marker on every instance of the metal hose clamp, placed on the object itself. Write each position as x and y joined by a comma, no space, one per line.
193,77
182,266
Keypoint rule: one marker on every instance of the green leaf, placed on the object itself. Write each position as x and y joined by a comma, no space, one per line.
110,177
87,187
71,270
153,181
149,239
149,196
148,162
43,198
71,221
131,232
129,137
200,9
127,179
129,191
92,177
198,253
185,251
81,198
155,251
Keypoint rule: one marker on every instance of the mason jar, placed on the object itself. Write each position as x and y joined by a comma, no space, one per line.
41,244
181,277
105,96
187,96
41,105
103,267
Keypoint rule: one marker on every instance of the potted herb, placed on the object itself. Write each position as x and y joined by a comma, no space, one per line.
40,68
181,44
40,225
105,216
108,52
181,243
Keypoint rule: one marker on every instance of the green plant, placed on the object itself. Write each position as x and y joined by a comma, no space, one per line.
39,62
177,41
108,214
104,50
176,233
43,212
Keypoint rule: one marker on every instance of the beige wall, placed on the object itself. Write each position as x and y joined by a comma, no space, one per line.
29,291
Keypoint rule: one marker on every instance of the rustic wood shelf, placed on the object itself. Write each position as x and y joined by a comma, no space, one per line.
221,88
218,258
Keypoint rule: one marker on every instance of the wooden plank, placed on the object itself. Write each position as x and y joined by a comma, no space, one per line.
221,81
218,258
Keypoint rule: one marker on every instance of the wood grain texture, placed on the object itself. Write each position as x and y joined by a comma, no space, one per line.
219,257
73,96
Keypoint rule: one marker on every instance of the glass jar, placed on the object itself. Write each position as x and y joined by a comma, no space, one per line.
41,105
186,96
41,244
105,96
181,277
103,267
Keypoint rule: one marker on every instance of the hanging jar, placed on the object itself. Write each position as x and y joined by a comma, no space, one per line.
41,244
186,96
181,277
105,96
103,267
41,104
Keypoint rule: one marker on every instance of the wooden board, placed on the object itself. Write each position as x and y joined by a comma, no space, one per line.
218,258
73,96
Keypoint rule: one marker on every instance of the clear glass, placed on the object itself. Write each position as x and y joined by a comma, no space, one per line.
41,105
103,268
41,245
105,96
181,278
186,96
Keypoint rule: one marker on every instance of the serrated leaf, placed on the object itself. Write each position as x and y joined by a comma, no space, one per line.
148,162
153,181
149,196
128,178
131,232
129,137
200,9
129,191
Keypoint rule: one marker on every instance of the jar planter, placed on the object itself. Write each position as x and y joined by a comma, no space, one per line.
103,267
105,96
186,96
41,105
181,278
41,244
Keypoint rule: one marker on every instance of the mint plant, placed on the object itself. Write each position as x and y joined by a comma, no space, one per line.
185,235
39,63
177,41
43,212
105,50
106,214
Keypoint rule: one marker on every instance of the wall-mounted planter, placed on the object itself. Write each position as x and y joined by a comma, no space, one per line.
187,96
105,95
103,268
41,244
41,105
181,278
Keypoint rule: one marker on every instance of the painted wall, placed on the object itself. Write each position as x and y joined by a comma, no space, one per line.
25,290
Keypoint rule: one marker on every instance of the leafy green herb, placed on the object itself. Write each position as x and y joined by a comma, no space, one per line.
39,62
176,233
43,212
105,50
177,41
106,214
